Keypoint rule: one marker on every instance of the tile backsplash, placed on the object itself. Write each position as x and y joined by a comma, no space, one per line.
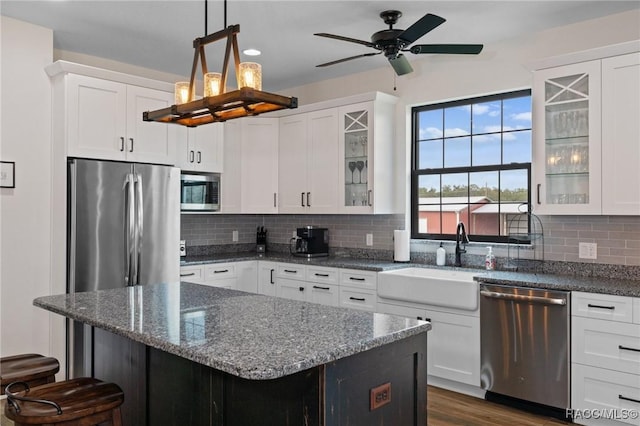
617,237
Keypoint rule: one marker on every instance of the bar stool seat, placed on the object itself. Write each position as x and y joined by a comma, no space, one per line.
33,369
78,402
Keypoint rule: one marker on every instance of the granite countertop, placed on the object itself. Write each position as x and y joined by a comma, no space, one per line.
619,287
250,336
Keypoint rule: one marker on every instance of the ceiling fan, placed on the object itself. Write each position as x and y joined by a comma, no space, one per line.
393,41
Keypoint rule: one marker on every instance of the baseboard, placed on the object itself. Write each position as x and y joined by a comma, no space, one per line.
463,388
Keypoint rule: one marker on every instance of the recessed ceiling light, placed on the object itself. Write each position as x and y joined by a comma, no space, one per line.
251,52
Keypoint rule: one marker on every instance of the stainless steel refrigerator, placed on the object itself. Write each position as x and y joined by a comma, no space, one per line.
123,230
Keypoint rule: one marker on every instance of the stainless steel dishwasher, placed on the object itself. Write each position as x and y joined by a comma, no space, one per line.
525,346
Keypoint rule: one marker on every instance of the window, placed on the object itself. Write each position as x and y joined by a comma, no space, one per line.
471,164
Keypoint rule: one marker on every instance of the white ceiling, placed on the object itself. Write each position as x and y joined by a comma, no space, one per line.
159,34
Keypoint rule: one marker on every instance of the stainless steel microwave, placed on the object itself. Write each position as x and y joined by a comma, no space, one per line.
200,192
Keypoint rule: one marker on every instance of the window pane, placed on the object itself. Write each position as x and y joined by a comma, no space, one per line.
454,186
430,154
487,117
483,184
517,147
457,121
429,215
430,124
517,113
429,189
457,152
486,150
514,185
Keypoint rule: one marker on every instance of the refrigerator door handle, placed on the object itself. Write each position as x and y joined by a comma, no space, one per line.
129,240
139,227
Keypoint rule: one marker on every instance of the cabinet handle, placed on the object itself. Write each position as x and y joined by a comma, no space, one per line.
321,288
199,157
601,307
302,199
274,200
356,279
626,398
301,288
369,198
308,199
290,271
131,140
538,192
121,144
190,274
419,318
320,275
191,156
358,299
220,271
271,277
626,348
427,319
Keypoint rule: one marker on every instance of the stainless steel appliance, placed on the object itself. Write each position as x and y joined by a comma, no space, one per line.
310,242
123,230
200,192
525,345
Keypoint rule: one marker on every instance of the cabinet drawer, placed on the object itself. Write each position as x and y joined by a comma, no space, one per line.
606,344
325,294
292,271
358,299
602,306
192,274
319,274
355,278
610,392
220,271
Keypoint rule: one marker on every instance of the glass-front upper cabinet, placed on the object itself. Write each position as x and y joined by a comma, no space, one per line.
356,136
567,141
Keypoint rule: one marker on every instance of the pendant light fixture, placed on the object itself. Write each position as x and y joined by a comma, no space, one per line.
217,104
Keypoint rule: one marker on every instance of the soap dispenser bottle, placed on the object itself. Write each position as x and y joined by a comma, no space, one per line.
441,255
490,260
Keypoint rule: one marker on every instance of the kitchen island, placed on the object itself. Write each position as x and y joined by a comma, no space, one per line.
202,355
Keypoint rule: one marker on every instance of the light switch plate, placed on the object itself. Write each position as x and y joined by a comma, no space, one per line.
234,236
369,239
587,250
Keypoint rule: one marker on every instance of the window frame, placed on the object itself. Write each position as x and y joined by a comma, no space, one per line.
416,173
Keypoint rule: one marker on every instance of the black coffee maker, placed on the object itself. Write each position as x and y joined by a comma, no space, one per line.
310,242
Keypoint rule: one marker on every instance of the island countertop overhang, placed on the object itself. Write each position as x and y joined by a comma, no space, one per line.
251,336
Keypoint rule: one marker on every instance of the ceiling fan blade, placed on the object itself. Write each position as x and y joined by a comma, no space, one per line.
348,59
352,40
401,65
456,49
422,26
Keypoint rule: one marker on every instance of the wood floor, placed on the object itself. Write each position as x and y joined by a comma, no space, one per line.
445,408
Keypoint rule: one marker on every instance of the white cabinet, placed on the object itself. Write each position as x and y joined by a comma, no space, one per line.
104,121
586,150
605,357
220,275
249,183
266,278
235,275
192,274
358,289
621,135
366,156
308,162
247,276
201,148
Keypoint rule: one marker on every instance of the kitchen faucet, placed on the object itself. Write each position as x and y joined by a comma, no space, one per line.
461,237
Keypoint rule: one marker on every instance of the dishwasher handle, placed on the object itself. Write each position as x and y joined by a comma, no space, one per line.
523,298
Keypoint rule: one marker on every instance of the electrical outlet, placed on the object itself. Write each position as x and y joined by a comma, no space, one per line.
235,236
587,250
379,396
183,248
294,234
369,239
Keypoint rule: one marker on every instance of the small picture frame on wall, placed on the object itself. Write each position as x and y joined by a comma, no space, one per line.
7,174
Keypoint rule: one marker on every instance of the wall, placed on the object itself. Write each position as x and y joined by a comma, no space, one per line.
25,226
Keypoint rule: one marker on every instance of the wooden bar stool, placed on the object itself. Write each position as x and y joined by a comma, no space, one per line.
33,369
78,402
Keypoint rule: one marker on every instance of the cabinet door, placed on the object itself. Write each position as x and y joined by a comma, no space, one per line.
206,147
259,186
247,276
567,139
149,142
231,179
324,294
96,121
355,164
356,298
322,161
267,278
291,289
292,164
621,135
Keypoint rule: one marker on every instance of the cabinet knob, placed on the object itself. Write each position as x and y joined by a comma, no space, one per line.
301,288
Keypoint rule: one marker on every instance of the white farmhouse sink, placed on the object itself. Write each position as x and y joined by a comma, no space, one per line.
438,287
